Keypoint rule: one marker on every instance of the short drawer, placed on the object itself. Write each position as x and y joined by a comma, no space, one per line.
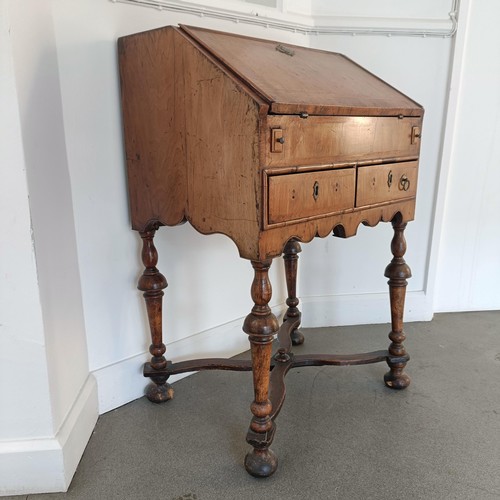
385,183
310,194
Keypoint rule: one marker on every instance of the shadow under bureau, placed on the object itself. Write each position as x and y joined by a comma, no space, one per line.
271,145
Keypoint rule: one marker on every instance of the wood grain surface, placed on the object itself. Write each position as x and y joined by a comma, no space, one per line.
203,142
294,79
295,196
383,183
324,139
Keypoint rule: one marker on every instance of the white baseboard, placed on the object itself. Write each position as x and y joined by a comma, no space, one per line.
123,382
48,464
362,309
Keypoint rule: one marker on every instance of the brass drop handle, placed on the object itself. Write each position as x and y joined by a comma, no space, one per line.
316,190
404,183
389,179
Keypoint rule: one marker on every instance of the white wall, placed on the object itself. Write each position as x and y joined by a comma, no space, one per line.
468,241
49,399
386,9
39,99
21,329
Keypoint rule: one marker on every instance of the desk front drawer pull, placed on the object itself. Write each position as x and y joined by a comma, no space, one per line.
277,140
415,134
316,190
389,179
404,183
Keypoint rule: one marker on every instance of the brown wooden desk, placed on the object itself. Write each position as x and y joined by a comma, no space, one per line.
271,145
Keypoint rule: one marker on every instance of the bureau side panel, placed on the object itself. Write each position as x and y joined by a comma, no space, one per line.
151,84
222,144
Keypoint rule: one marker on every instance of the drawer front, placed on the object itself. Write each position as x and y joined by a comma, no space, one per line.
290,140
310,194
384,183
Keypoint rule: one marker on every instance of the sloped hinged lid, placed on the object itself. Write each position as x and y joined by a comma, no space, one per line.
293,79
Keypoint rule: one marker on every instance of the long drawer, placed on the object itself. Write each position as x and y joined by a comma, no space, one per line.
291,141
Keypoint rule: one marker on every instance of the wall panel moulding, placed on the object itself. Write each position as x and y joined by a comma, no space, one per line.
426,18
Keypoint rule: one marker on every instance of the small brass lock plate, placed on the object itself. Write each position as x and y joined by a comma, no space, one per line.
285,50
277,140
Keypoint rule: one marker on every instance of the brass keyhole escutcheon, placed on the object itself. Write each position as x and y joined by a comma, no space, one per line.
389,179
404,183
316,190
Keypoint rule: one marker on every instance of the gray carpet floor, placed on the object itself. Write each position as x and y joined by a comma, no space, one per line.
341,434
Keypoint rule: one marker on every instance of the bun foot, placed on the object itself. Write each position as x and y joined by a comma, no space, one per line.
297,337
159,393
261,463
396,381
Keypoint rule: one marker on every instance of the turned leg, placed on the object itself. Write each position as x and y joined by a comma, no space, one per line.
397,272
261,325
152,283
291,257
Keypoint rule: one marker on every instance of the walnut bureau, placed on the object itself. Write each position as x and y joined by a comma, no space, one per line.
271,145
